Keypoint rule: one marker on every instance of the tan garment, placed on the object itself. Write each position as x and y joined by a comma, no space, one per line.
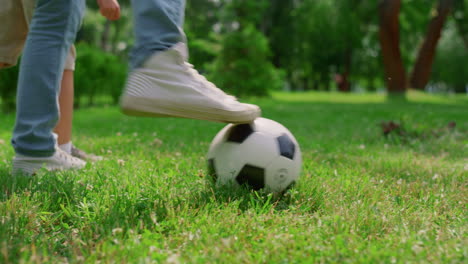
15,16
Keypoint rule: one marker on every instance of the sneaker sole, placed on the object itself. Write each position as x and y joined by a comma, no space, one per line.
28,168
138,106
25,168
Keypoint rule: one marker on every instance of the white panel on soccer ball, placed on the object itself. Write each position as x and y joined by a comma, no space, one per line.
228,161
281,173
271,127
275,129
259,149
220,138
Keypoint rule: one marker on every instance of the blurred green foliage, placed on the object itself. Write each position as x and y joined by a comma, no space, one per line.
98,73
243,67
253,47
451,64
8,81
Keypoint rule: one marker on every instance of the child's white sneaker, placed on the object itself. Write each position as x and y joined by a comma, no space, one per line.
167,85
78,153
59,161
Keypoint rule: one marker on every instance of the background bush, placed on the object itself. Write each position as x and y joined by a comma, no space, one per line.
448,72
97,74
8,82
243,65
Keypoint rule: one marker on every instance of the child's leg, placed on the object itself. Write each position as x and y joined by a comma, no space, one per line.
52,32
66,97
64,125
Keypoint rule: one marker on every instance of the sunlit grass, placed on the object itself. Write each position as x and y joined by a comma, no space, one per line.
362,197
412,96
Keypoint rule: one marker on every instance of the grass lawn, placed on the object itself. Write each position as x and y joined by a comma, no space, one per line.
362,197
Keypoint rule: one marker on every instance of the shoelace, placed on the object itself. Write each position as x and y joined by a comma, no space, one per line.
205,83
66,157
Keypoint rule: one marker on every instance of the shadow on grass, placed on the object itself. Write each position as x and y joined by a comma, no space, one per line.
55,188
259,201
12,185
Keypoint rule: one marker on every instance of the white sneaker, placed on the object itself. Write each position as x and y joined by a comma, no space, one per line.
168,86
59,161
78,153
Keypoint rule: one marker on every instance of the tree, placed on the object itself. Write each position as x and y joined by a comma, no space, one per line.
351,28
461,19
390,44
422,68
243,65
278,22
201,20
395,74
449,70
317,40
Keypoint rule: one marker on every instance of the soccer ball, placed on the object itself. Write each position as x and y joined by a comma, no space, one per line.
260,155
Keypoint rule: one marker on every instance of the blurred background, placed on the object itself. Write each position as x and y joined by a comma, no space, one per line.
255,47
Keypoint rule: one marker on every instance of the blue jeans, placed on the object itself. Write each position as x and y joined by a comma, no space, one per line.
158,26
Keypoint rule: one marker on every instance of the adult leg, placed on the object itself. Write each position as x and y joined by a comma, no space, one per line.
52,32
157,26
63,128
162,82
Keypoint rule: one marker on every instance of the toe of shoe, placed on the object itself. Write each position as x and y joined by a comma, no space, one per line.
254,109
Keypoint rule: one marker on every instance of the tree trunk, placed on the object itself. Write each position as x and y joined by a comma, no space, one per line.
423,66
389,35
325,81
343,82
343,79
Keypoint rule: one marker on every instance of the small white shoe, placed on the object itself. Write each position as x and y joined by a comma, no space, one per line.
80,154
59,161
168,86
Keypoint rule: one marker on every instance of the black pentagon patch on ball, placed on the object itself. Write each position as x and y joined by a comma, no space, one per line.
212,170
239,133
252,176
286,146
